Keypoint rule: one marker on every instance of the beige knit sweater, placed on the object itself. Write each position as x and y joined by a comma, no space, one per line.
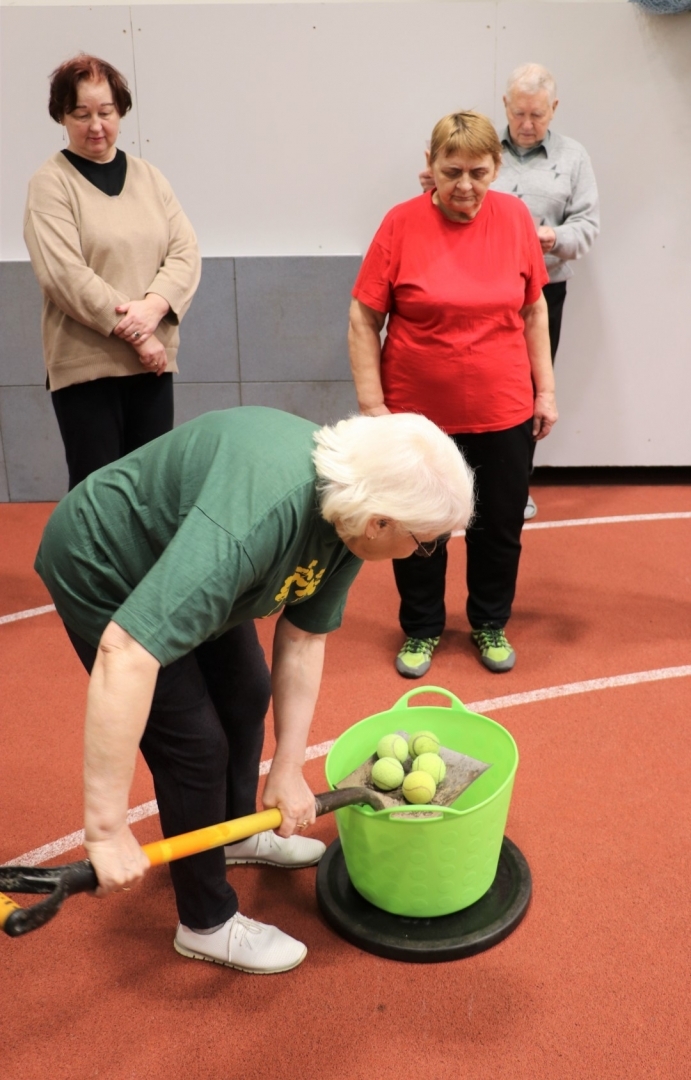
91,251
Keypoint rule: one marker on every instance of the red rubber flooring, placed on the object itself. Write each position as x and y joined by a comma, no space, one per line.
593,984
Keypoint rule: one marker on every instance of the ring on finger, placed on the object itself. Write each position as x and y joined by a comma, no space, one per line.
136,334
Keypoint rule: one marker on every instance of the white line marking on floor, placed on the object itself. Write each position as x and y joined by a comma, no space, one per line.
29,614
148,809
616,519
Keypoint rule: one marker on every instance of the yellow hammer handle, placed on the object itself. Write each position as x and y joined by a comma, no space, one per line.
191,843
7,906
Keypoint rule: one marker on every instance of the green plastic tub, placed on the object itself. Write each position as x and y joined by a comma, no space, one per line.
422,867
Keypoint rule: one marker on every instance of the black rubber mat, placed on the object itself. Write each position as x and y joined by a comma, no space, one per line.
423,941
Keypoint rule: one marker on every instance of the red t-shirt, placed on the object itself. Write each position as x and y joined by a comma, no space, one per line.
455,349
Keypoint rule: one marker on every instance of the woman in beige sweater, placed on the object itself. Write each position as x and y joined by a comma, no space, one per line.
118,264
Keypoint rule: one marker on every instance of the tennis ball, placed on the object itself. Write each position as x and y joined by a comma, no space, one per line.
419,787
432,764
393,746
423,742
387,773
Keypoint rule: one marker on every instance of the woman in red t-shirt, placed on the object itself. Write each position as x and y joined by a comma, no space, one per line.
458,273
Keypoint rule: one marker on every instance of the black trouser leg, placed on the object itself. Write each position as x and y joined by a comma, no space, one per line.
501,462
202,743
149,408
555,295
421,583
239,683
104,419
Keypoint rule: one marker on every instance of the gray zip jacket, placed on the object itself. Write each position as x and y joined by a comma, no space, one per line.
557,184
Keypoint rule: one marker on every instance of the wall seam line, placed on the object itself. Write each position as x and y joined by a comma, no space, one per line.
237,329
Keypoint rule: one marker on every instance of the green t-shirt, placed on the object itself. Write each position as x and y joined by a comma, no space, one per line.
212,524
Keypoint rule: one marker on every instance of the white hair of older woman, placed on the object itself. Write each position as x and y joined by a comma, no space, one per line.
399,466
531,79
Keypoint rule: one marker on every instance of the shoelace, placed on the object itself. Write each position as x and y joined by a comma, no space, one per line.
247,927
426,646
492,638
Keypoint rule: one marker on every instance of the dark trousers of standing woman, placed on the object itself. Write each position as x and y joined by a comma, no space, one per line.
555,295
501,462
102,420
203,743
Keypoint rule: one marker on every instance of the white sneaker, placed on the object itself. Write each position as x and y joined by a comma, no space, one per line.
530,509
272,850
243,944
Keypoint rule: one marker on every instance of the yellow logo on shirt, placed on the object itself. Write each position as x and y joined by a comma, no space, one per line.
305,580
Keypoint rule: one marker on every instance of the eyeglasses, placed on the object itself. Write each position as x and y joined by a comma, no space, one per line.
425,548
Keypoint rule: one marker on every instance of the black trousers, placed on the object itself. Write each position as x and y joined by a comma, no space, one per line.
501,461
203,742
555,295
102,420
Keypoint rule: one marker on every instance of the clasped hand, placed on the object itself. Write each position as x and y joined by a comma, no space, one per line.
140,318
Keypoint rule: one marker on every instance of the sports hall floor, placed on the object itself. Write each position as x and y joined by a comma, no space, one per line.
595,981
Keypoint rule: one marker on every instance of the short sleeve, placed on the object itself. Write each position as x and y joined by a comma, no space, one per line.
323,612
188,594
373,285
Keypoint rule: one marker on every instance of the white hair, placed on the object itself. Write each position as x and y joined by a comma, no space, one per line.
399,466
531,79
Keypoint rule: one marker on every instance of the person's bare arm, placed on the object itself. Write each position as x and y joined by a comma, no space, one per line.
364,345
536,331
118,703
296,671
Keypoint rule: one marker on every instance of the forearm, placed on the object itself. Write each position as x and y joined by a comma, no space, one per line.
64,277
158,305
580,224
536,333
364,346
118,704
575,237
298,661
177,280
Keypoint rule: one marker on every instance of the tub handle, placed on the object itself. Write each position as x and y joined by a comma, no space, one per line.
456,703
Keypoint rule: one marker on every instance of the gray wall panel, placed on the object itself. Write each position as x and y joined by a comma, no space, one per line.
323,402
21,351
294,314
208,333
293,317
193,399
34,456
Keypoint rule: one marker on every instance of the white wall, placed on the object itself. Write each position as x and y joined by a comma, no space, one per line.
292,128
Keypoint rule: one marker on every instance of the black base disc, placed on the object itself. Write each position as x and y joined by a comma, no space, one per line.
425,941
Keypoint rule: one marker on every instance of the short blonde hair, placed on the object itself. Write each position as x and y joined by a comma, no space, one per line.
399,466
465,132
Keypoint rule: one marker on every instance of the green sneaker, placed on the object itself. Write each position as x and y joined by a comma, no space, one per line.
415,658
495,651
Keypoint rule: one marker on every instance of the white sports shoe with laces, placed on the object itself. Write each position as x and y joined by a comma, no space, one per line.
272,850
244,944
